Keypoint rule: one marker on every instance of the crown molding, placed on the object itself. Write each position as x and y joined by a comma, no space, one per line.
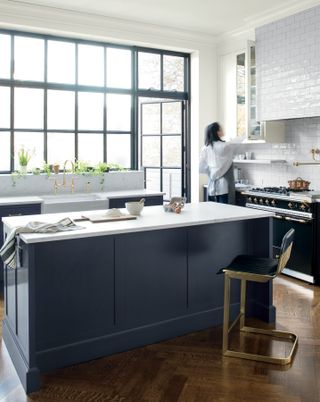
32,16
260,19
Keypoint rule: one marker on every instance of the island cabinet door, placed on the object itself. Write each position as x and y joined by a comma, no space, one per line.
210,248
151,277
74,291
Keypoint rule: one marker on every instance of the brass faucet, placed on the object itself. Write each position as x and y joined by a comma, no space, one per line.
64,182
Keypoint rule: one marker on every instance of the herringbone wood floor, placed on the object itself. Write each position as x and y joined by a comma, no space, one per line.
191,369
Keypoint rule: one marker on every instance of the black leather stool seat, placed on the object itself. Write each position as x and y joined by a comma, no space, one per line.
253,265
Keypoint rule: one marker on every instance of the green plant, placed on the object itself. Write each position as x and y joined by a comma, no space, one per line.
24,156
17,175
115,167
36,171
46,169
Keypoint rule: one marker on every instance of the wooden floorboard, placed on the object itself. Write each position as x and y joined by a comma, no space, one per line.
191,368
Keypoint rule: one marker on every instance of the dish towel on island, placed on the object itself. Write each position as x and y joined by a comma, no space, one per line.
8,252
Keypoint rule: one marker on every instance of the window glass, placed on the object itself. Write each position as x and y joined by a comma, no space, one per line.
118,68
118,112
90,148
4,107
60,148
5,59
151,118
173,73
172,183
171,118
119,149
28,108
153,179
171,148
28,59
90,111
4,150
61,110
151,151
149,70
91,65
33,142
61,62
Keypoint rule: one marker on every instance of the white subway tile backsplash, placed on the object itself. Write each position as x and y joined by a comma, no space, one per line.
300,135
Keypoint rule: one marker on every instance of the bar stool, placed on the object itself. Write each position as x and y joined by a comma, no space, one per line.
255,269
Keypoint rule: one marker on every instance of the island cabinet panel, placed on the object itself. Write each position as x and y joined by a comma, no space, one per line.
151,277
211,248
149,201
74,291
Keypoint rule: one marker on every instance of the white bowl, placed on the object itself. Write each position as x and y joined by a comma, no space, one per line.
134,207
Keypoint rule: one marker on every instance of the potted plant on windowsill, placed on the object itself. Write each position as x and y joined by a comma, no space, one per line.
24,157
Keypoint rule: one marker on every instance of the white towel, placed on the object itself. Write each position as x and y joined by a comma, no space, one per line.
8,252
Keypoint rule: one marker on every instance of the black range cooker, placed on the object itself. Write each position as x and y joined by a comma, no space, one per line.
297,210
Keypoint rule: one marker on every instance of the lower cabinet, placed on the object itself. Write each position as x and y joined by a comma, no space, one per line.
15,210
149,201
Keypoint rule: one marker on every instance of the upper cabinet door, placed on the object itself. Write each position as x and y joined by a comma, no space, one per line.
287,62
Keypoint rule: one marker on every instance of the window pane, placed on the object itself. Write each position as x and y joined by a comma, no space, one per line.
28,108
171,118
150,151
119,149
90,111
61,110
58,153
90,148
61,62
153,179
149,70
173,73
33,142
118,112
91,65
118,68
4,151
151,118
28,59
172,183
4,107
171,151
5,51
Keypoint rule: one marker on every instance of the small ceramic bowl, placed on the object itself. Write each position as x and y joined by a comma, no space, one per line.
134,207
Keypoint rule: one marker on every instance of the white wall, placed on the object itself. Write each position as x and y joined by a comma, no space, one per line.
202,48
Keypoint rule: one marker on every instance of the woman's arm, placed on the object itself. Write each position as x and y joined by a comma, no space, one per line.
203,163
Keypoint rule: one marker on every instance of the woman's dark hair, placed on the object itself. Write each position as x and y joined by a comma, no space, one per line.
212,133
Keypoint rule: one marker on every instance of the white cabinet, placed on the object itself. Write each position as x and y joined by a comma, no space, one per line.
238,99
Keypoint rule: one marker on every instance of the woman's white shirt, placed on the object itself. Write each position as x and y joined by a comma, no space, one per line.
215,161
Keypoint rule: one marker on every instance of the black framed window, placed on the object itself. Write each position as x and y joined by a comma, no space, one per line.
69,98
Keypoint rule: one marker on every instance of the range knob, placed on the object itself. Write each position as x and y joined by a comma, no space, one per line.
273,203
261,201
267,202
303,207
290,205
255,200
250,199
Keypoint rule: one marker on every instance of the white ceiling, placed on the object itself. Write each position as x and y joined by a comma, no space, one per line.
214,17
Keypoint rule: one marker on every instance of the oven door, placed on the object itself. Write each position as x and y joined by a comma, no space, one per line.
300,263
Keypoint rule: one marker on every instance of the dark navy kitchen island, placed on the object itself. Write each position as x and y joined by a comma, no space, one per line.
114,286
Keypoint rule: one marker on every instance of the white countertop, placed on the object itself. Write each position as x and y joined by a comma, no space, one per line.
152,218
25,199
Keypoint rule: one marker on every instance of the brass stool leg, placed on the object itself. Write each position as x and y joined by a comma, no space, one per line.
226,309
243,303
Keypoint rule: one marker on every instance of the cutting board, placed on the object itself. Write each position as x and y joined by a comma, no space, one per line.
95,218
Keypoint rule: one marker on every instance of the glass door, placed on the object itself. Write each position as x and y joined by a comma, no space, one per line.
162,146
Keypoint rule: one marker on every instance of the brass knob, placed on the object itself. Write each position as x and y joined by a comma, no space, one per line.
303,207
250,199
273,203
290,205
255,200
267,202
261,201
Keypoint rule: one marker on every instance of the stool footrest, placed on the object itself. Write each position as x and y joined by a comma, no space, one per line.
268,359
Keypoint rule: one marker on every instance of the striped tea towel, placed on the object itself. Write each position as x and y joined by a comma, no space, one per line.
8,252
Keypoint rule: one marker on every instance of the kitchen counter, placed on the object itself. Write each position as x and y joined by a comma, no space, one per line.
24,199
111,287
152,218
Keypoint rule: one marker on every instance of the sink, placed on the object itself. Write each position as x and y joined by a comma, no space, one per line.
73,202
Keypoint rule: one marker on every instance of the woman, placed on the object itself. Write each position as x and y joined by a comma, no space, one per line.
216,161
